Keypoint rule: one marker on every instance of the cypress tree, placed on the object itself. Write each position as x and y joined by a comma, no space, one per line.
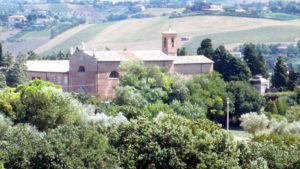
251,58
273,108
206,48
8,59
262,66
2,59
280,76
293,78
16,75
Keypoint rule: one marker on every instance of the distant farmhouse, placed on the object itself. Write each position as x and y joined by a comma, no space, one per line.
96,72
16,19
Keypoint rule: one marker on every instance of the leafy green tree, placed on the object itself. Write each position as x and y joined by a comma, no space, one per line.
293,78
254,123
64,147
209,90
2,80
142,84
74,147
280,76
170,141
246,98
230,67
46,105
206,48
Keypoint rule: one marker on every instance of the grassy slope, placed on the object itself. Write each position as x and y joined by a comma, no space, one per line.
258,35
45,34
145,34
76,40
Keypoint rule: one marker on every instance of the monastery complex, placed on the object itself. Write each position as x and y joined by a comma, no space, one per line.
96,72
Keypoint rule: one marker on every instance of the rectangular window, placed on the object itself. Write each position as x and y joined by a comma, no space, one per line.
32,78
39,78
165,42
66,80
58,79
52,78
172,42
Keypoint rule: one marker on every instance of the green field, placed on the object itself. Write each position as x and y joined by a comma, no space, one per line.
258,35
145,34
76,40
44,34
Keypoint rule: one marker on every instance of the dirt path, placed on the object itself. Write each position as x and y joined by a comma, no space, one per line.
61,38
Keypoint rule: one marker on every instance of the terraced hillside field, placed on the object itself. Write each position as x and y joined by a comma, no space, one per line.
145,34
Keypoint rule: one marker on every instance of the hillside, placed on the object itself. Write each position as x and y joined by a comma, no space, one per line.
144,34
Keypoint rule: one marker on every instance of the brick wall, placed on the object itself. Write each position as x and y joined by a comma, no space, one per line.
61,79
83,80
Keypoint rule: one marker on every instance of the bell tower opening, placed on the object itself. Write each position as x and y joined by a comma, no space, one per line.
169,42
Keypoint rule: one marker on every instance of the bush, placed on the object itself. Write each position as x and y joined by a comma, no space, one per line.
188,110
169,141
63,147
287,139
46,105
254,123
279,127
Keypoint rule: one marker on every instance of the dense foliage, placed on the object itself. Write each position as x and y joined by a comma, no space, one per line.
155,121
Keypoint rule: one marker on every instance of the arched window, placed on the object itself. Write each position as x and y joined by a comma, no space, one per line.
114,74
81,69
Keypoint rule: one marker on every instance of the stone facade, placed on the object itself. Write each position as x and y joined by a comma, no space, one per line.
96,72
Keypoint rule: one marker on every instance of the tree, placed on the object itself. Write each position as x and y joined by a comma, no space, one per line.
230,67
46,105
206,48
262,66
2,60
2,80
271,107
253,123
16,75
251,58
33,56
293,78
280,76
181,52
8,59
170,141
246,98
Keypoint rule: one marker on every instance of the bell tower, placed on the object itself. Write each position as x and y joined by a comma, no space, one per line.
169,42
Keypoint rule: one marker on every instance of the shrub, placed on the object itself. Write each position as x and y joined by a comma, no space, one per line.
287,139
188,110
279,127
253,123
294,128
170,141
5,124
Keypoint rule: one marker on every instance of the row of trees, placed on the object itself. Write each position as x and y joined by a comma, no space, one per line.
233,68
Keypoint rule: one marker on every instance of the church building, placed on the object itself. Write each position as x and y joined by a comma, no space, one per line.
96,72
